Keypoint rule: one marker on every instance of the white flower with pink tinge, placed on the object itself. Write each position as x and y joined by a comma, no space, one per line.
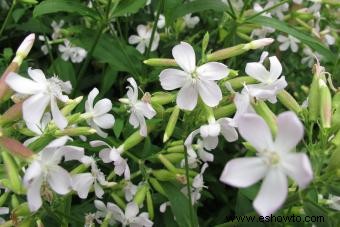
193,80
42,92
275,161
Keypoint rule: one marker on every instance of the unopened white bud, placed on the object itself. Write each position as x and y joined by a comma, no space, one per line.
259,43
24,48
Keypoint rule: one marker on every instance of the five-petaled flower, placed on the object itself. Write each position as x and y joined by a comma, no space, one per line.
193,80
275,161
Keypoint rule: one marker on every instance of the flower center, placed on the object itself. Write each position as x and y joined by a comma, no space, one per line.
272,158
55,86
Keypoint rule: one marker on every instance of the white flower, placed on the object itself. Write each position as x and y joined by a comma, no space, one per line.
76,54
112,154
130,190
287,42
127,218
45,169
209,134
190,21
140,109
162,207
275,161
99,117
242,103
277,11
193,80
43,92
310,57
3,210
334,202
83,182
270,84
161,21
38,128
264,30
57,29
143,38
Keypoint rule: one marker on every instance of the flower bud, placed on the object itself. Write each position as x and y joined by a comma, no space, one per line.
14,201
70,105
171,124
334,160
12,172
164,175
238,82
79,131
162,98
264,111
14,113
24,49
259,43
225,111
157,186
15,147
205,43
41,142
149,204
314,99
226,53
176,149
135,139
167,163
160,62
336,139
31,2
118,200
3,198
325,105
140,194
288,101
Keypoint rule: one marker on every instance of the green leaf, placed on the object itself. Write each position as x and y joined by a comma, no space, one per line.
113,51
128,6
181,9
34,25
108,79
314,210
118,127
70,6
179,204
303,37
64,70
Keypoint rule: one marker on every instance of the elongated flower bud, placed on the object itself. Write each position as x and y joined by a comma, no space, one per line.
70,105
79,131
157,186
164,175
176,149
171,124
3,198
118,200
162,98
288,101
24,48
135,139
259,43
336,139
14,113
15,147
325,105
140,194
12,172
160,62
314,99
167,163
238,82
225,111
149,204
264,111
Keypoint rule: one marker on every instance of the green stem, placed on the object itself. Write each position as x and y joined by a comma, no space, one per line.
154,27
191,211
10,11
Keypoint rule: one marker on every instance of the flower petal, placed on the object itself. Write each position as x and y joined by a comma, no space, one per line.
290,131
90,99
102,106
32,173
185,57
146,109
298,167
82,183
131,210
23,85
243,172
37,75
275,68
134,39
272,194
105,155
212,71
33,195
132,92
105,121
257,71
255,130
33,108
172,78
228,132
58,117
187,97
210,92
59,180
98,143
